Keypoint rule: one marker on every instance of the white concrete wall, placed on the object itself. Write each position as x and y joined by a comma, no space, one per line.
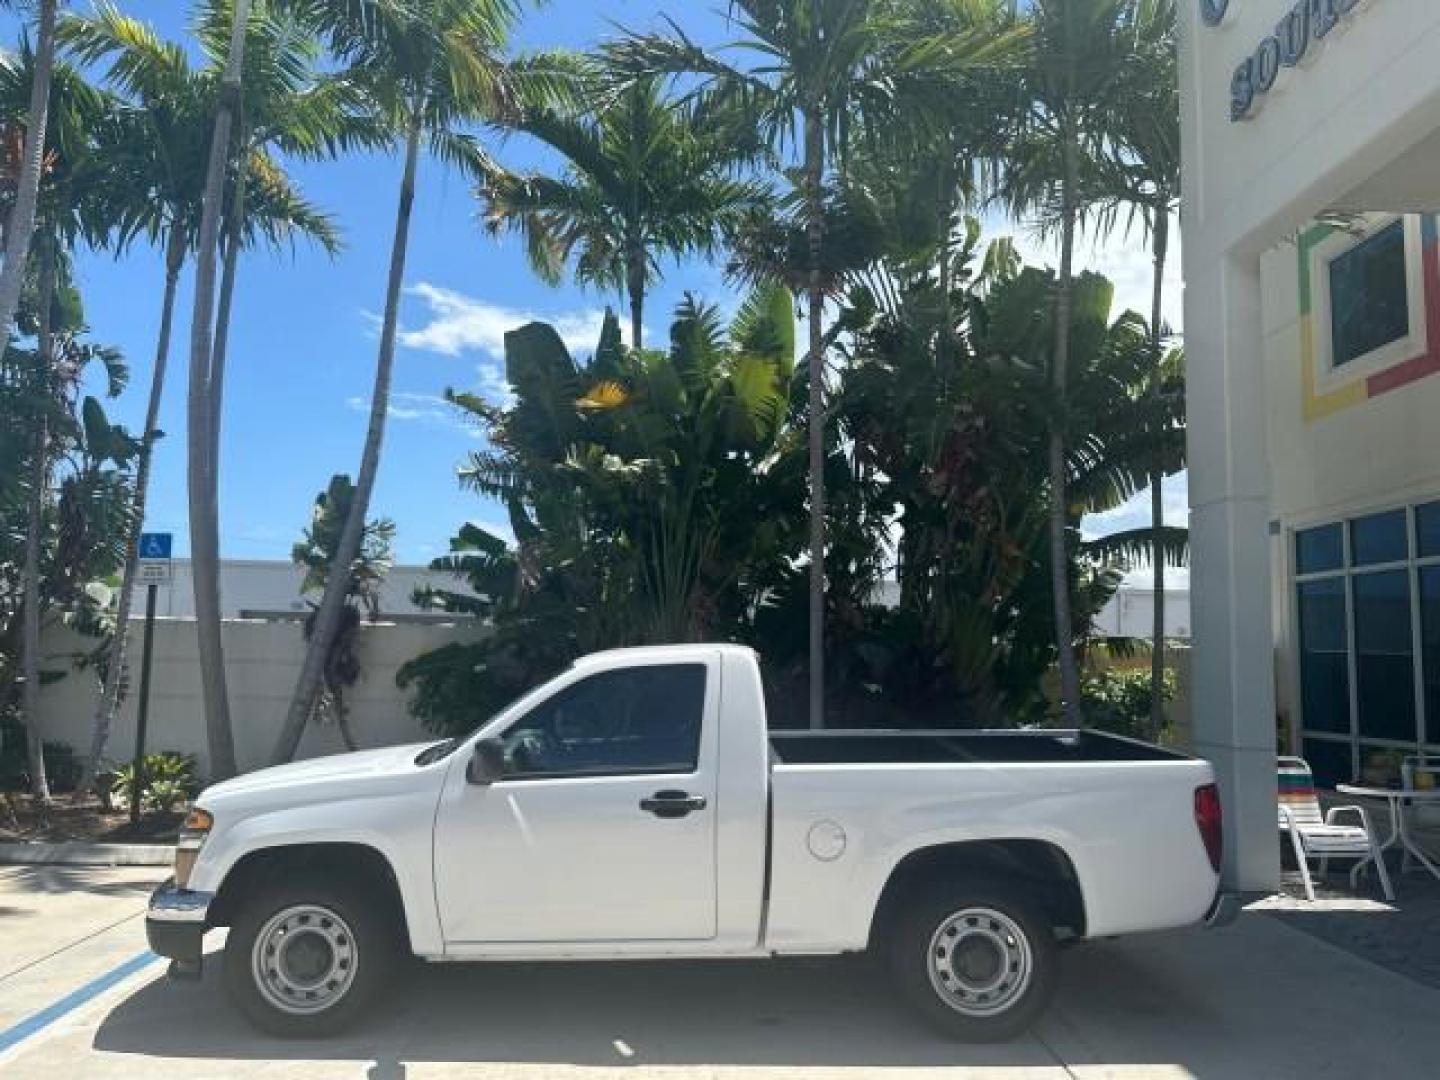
1130,613
262,661
272,585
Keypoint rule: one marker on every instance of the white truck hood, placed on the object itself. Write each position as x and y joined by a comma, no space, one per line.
289,783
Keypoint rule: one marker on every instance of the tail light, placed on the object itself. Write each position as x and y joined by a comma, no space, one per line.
1209,820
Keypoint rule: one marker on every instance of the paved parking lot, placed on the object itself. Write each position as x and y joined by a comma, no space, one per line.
79,998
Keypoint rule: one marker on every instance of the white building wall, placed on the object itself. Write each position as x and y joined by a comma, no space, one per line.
1362,97
260,585
262,661
1374,454
1131,614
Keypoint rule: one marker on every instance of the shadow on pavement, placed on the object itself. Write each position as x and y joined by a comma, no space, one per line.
96,880
778,1013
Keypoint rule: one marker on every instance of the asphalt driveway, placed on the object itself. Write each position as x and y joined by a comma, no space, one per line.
80,997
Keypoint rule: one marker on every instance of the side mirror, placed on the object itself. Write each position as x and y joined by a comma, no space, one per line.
487,763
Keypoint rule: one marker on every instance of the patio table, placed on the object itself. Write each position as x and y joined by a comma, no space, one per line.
1399,830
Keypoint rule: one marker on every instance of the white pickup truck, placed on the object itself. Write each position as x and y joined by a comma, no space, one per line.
637,806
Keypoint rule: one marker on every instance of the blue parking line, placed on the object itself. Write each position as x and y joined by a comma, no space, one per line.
73,1000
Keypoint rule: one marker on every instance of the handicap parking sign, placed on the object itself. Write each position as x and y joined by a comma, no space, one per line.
155,545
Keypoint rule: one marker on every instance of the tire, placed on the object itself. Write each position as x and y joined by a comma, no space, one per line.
1004,978
327,950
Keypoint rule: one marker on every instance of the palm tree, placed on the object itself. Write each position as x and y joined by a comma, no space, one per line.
21,223
63,213
66,523
1144,173
818,66
156,169
202,481
429,69
640,181
1079,48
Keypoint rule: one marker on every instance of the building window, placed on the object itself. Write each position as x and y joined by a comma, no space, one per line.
1367,611
1369,296
1321,549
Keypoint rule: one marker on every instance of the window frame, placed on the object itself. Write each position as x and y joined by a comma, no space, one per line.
709,673
1427,731
1328,375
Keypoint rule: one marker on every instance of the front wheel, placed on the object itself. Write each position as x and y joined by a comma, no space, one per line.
977,960
306,959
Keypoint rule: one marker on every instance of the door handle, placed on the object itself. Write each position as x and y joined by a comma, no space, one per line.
672,804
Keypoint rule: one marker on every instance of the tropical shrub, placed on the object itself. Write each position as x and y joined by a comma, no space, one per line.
1119,701
650,494
170,780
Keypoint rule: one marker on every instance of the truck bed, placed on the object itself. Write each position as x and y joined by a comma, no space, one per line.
980,746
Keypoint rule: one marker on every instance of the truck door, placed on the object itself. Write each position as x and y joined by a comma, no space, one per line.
602,827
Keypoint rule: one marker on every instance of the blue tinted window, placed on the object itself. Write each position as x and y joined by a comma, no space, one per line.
1427,530
1430,646
1324,669
1319,549
1379,538
1369,302
1384,655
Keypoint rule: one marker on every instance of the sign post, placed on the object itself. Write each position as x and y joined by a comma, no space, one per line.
155,571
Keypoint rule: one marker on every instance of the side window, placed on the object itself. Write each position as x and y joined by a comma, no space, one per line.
635,720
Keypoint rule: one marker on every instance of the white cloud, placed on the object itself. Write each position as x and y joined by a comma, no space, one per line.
1135,514
418,408
457,324
1124,258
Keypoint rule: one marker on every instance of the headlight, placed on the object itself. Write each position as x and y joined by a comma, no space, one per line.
193,834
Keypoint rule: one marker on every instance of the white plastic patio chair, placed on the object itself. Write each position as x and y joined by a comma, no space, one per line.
1317,836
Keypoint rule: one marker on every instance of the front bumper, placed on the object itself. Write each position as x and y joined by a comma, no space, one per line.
175,925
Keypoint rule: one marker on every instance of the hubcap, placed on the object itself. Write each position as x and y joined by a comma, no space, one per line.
979,961
304,959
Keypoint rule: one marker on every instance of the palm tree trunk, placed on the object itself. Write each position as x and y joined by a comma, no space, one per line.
39,483
332,603
203,480
635,286
814,236
234,225
109,704
30,624
1157,501
21,226
1059,504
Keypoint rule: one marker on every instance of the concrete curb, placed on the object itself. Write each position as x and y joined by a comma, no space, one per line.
75,853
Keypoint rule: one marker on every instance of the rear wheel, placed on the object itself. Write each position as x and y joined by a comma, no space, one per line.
977,960
307,958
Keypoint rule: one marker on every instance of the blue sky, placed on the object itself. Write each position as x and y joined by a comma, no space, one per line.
303,341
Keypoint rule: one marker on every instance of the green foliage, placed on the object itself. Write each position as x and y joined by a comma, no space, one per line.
316,549
62,767
88,476
642,180
1119,701
169,780
315,552
646,491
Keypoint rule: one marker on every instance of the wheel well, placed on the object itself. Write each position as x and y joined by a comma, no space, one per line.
364,867
1038,864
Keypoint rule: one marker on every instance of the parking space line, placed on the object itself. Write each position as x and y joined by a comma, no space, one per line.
72,945
17,1033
